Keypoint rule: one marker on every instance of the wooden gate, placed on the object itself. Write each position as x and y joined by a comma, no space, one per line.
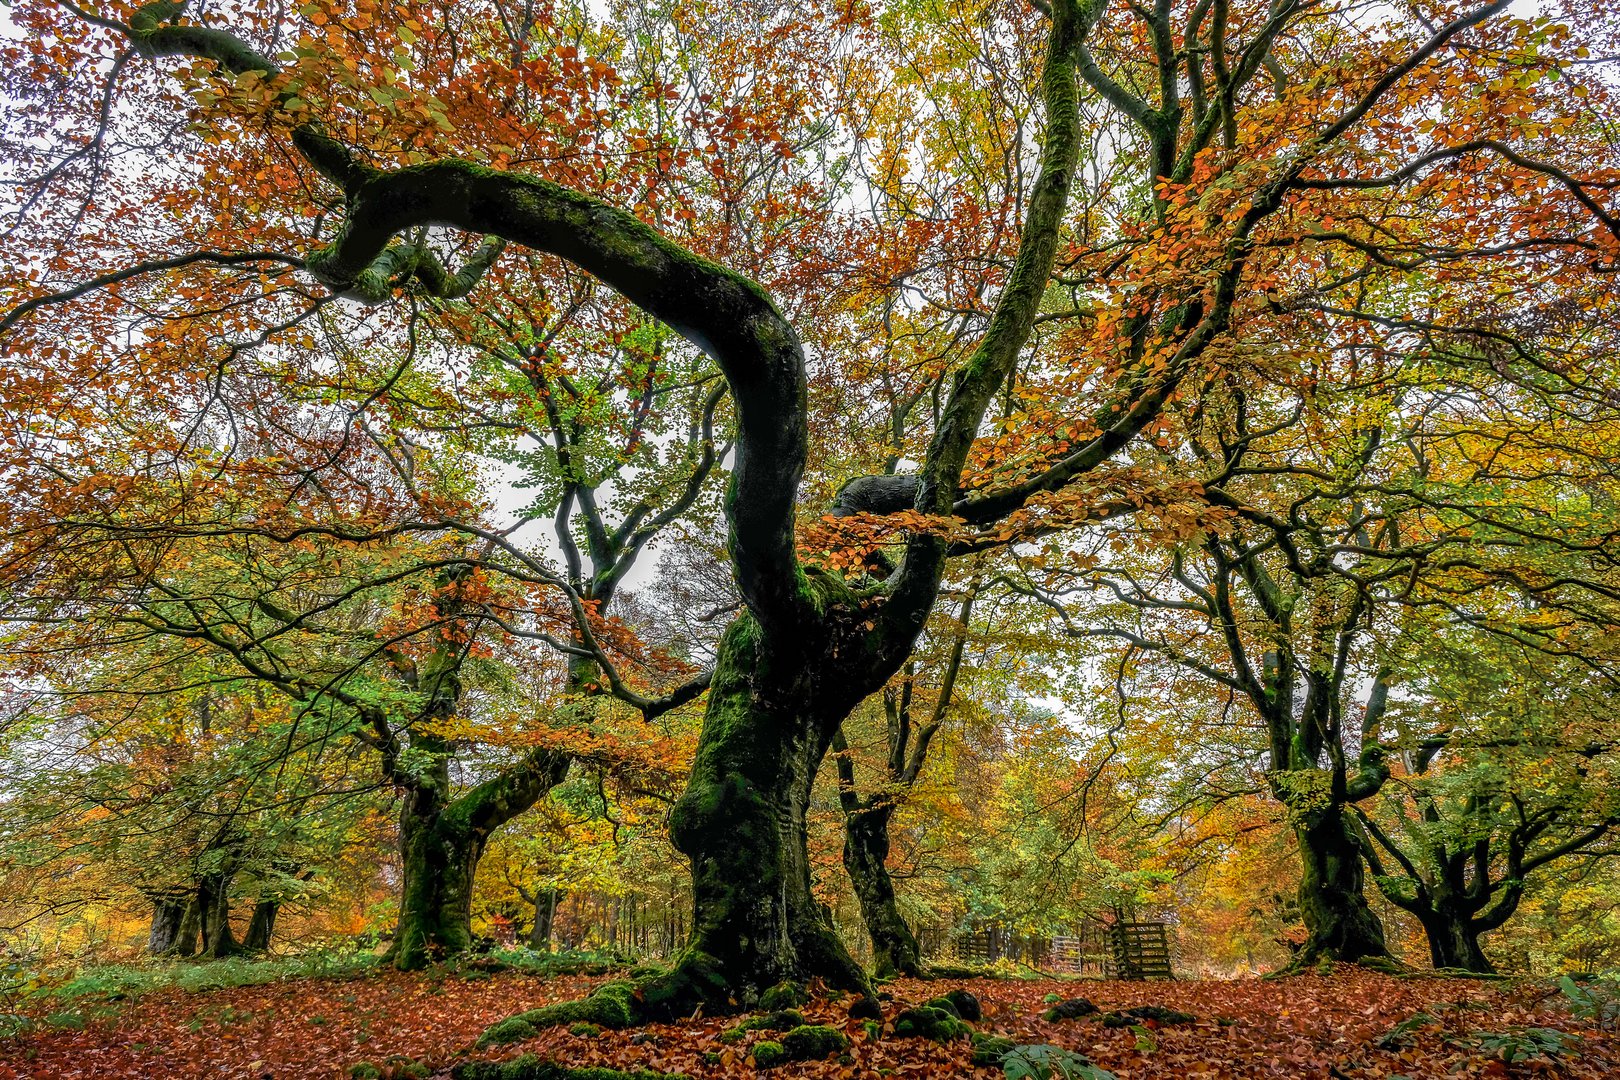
1140,950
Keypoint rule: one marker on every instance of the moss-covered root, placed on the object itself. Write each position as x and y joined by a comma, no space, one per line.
931,1022
530,1067
695,981
611,1005
808,1042
1158,1014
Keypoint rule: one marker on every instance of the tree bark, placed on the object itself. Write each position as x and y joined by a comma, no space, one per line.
545,913
866,852
1332,897
441,841
262,926
168,918
741,822
190,932
214,916
439,859
1454,942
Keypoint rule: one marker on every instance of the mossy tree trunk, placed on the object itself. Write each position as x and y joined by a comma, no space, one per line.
1332,890
261,926
1454,942
168,917
439,858
866,855
742,823
214,916
442,839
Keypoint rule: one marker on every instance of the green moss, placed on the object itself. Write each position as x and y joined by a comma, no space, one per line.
925,1022
872,1028
585,1030
809,1042
365,1070
784,995
512,1029
768,1054
866,1007
967,1005
531,1067
988,1050
943,1004
1068,1010
612,1005
781,1020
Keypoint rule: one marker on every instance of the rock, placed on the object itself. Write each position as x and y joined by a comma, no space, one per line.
1068,1010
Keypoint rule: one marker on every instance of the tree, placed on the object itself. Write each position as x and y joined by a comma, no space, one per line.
1504,776
174,788
1195,252
867,817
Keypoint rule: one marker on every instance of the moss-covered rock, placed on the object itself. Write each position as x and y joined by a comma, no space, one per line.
512,1029
1158,1014
531,1067
364,1070
1068,1010
768,1055
967,1005
926,1022
807,1042
811,1042
784,995
944,1004
988,1050
873,1028
585,1030
865,1007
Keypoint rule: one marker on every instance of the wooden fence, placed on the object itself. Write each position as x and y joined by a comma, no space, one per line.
1120,949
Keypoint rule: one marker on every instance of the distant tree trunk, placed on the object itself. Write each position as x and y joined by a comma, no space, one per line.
545,913
1332,899
190,932
1454,942
441,841
168,916
866,853
214,914
261,926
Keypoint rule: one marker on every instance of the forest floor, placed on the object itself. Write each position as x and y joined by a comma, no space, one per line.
1357,1025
